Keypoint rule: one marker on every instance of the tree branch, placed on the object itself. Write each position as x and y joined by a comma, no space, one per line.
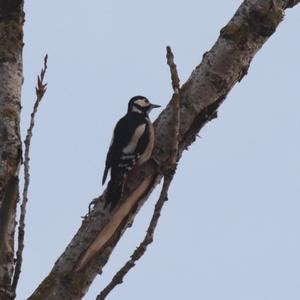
173,69
221,68
141,249
40,91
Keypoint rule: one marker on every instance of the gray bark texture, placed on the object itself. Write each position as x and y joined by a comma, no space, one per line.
221,68
11,77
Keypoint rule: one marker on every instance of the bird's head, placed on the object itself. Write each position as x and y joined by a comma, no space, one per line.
140,104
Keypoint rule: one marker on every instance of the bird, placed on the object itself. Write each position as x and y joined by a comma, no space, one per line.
131,145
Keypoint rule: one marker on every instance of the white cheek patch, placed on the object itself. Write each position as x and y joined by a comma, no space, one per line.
130,148
135,109
142,103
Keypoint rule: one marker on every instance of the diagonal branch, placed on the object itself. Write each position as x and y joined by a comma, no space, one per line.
168,174
225,64
40,91
141,249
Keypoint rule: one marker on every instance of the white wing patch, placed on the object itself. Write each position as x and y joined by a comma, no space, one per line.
148,151
135,109
130,148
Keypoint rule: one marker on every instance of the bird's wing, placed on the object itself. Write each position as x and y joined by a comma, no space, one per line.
126,134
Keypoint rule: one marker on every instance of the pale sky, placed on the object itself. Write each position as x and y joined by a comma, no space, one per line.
231,227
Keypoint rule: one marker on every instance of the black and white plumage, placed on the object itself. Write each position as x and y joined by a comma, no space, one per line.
132,144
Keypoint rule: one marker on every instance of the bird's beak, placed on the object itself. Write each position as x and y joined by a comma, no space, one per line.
154,106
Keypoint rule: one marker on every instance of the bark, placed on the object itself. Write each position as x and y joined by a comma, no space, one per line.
11,44
221,68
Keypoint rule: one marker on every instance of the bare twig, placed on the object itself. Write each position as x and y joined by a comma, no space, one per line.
40,91
168,173
175,104
173,70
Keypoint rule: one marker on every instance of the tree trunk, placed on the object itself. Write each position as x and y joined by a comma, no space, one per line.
11,77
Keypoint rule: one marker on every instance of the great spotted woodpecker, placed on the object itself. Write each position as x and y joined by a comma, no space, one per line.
132,144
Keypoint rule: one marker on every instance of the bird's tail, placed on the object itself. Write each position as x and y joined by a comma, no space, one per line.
113,193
